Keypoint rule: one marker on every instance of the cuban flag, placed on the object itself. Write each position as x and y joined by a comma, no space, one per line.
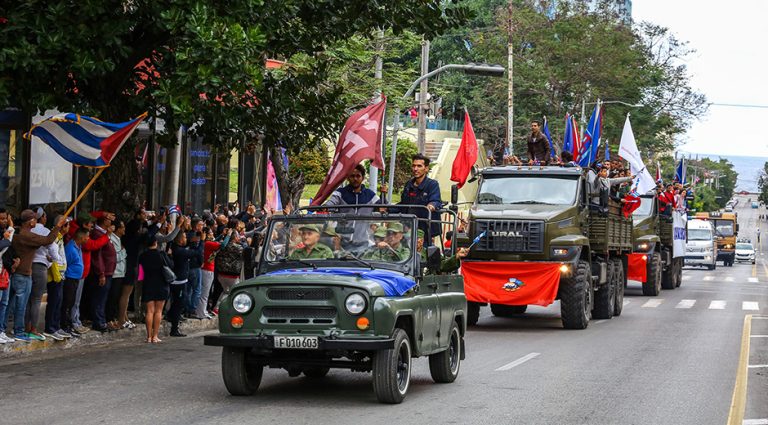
591,137
82,140
174,209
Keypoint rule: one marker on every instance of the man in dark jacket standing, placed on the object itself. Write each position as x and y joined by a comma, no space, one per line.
538,145
103,263
355,193
421,190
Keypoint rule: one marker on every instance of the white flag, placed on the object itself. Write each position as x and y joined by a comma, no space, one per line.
628,150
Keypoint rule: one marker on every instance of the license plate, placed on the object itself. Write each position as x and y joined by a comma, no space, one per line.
297,342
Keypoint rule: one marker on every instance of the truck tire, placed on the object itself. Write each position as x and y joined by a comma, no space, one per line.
669,276
240,377
575,298
679,280
316,372
621,283
473,313
444,366
392,370
501,310
605,296
652,284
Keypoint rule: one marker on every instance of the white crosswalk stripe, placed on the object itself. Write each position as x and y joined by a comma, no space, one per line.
685,304
717,305
753,280
750,305
653,303
686,277
729,279
708,278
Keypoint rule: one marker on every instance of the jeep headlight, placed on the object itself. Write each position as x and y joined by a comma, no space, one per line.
242,303
355,304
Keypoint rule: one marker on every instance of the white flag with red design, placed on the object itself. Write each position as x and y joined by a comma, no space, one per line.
360,140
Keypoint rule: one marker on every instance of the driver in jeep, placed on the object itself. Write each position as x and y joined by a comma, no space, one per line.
389,246
310,247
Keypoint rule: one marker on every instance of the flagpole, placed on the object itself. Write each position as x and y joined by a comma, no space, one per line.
84,191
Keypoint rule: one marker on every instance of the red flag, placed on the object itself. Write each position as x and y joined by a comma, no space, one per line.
359,140
631,203
467,154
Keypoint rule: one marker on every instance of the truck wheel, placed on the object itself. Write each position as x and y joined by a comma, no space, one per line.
669,276
392,370
652,285
575,298
679,278
316,372
605,296
240,377
501,310
473,313
444,366
618,306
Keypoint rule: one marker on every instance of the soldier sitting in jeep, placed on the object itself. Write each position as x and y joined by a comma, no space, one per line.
311,246
389,244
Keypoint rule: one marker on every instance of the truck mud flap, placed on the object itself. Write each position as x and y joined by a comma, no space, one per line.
511,283
637,267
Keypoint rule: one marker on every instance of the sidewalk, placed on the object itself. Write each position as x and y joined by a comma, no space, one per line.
19,350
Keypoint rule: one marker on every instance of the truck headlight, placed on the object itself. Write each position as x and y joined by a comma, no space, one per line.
355,304
642,247
564,252
242,303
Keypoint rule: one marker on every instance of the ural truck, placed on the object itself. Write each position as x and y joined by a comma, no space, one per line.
652,261
726,230
538,237
372,307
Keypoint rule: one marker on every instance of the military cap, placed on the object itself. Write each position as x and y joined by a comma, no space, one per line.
395,227
310,227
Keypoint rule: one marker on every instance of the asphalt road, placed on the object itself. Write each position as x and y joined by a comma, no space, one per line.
671,359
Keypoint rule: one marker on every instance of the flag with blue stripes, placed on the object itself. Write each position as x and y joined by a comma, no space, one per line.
591,137
545,130
174,209
82,140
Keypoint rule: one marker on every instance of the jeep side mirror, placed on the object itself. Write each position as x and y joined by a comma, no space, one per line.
454,194
433,258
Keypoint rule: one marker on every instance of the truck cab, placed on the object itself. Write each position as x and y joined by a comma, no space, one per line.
726,229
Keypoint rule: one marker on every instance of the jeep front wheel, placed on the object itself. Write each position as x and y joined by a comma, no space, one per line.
392,370
444,366
240,377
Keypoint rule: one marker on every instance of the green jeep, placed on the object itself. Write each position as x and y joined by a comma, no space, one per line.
343,290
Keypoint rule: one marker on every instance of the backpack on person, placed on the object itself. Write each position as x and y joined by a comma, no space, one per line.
229,259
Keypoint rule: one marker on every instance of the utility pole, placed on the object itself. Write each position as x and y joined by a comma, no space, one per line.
174,158
510,86
423,89
373,181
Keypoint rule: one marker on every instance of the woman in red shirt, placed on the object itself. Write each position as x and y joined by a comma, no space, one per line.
209,261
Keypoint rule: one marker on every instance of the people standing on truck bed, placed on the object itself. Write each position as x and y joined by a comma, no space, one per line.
667,200
421,190
603,184
538,145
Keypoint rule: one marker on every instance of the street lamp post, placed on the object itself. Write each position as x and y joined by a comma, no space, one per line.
489,70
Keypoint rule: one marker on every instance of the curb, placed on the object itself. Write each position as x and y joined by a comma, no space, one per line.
20,350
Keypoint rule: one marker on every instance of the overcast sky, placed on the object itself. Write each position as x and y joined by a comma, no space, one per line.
729,66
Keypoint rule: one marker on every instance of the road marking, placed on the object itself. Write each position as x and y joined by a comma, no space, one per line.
755,366
750,305
717,305
653,303
729,279
685,304
518,362
707,278
755,422
686,277
739,399
753,280
626,302
758,336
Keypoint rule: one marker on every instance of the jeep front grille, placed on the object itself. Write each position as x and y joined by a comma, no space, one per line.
299,294
316,315
511,236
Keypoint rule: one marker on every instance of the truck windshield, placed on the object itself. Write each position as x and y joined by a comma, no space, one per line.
699,235
527,190
645,209
724,228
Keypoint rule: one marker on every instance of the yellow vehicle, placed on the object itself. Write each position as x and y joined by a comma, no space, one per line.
726,227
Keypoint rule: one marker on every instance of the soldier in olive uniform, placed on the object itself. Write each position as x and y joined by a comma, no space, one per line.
389,246
447,265
312,249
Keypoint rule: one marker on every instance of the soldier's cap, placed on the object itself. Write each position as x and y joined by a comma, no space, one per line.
420,234
310,227
395,227
330,231
380,233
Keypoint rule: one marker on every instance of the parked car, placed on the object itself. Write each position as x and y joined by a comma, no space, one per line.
745,252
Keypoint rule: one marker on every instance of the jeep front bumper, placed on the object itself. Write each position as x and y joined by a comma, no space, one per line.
325,343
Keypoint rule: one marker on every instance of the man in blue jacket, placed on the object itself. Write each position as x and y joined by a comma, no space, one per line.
355,193
421,190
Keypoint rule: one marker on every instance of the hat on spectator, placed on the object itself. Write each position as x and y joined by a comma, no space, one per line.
39,212
310,227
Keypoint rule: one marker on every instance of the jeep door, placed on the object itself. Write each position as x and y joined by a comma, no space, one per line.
429,313
450,299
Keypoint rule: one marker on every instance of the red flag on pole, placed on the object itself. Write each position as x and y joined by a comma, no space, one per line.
467,154
360,139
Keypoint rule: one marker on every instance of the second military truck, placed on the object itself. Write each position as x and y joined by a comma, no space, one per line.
540,235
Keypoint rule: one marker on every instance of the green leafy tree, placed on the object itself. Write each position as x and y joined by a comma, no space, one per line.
762,184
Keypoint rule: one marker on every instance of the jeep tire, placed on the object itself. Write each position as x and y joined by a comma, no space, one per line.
501,310
605,296
240,377
652,284
392,370
621,284
576,297
473,313
444,366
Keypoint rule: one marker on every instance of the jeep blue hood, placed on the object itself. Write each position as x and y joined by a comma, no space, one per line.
394,284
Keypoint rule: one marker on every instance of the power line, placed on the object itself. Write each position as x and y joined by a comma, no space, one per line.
739,105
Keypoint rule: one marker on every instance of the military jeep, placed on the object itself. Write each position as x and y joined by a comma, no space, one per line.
339,289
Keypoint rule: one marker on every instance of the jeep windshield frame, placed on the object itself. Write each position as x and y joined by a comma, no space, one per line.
528,189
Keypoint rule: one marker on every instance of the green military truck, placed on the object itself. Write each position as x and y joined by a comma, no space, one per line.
538,238
652,261
371,307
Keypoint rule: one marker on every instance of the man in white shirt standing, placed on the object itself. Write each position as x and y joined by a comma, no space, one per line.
43,258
